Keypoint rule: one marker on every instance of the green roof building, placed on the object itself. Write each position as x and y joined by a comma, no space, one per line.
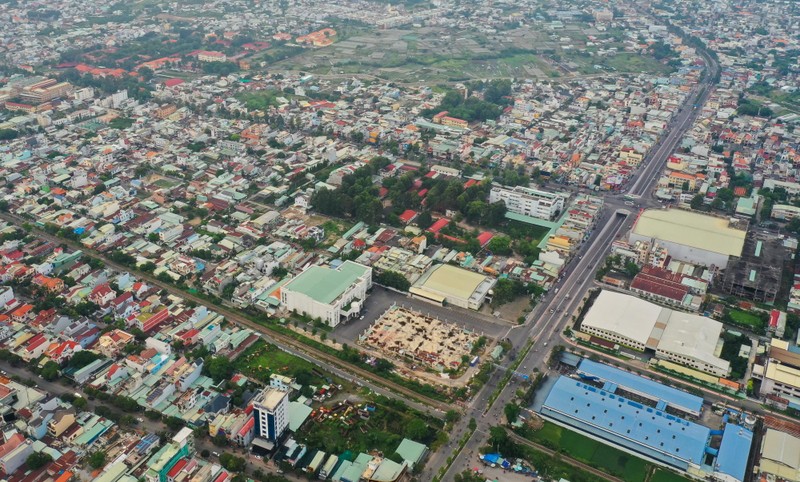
330,294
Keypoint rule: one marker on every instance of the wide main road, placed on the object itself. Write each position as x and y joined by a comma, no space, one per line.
546,323
642,181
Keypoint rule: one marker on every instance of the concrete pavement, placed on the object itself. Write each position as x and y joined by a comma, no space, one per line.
556,311
544,326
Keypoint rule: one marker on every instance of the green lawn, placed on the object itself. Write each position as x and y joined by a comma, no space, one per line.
592,452
745,318
262,360
164,183
634,63
663,475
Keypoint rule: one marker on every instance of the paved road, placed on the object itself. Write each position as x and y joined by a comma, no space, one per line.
544,326
381,299
545,323
146,424
57,389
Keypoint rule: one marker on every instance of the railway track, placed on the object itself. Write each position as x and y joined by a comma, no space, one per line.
274,336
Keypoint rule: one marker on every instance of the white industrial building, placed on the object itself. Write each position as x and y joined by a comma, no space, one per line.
330,294
691,340
626,320
528,201
684,338
692,237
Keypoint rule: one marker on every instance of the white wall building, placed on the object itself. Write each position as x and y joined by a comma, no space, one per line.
271,412
683,338
528,201
330,294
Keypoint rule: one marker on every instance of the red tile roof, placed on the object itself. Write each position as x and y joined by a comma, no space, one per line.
438,225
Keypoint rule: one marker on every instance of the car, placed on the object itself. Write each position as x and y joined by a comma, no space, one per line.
545,343
215,454
552,310
629,203
140,420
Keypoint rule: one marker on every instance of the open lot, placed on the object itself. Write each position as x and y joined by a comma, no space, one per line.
376,423
381,299
664,475
426,340
748,319
430,54
592,452
263,359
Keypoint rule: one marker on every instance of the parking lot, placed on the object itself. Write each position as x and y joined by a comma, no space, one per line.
381,299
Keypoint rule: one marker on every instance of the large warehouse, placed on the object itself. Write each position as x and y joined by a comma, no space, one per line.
684,338
331,294
444,283
690,236
647,418
780,456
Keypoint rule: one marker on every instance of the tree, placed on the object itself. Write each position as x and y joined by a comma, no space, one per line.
697,202
500,441
218,368
451,416
631,268
174,423
500,245
393,279
49,371
416,429
83,358
80,403
37,460
512,411
424,220
97,459
126,404
232,462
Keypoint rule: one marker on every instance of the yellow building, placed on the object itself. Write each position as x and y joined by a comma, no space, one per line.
630,156
454,122
679,179
61,421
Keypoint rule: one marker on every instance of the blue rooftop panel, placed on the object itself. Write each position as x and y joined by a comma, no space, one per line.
674,442
635,383
733,451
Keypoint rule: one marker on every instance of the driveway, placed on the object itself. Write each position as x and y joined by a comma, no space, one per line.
381,299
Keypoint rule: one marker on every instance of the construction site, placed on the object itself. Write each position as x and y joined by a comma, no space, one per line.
756,274
412,336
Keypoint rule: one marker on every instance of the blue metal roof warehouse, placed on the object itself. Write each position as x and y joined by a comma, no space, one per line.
734,451
615,378
645,430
